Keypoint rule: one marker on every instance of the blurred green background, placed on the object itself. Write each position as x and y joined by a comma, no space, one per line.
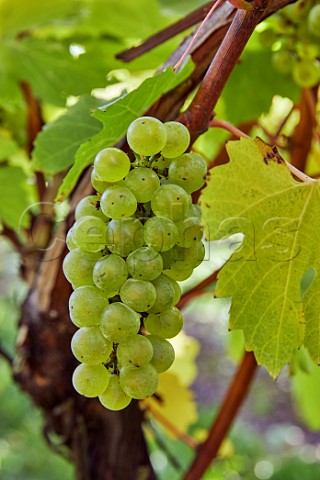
270,439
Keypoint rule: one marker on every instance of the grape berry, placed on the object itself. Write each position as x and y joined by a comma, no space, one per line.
129,246
293,35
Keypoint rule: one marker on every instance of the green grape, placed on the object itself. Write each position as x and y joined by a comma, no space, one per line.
306,73
188,171
267,37
78,267
124,235
114,397
89,233
178,271
112,164
166,324
192,256
139,382
303,32
90,380
160,233
88,345
146,136
89,205
165,294
137,351
314,20
179,261
163,353
86,305
69,240
119,322
194,211
189,232
177,291
145,263
110,273
99,185
160,164
118,202
170,201
308,51
284,25
178,139
293,12
282,60
169,257
142,182
138,294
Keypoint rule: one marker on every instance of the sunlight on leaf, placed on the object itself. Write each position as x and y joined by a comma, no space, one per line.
255,194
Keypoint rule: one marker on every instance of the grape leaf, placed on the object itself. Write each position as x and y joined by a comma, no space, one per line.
51,70
14,197
16,16
8,147
58,142
177,402
280,219
186,350
126,19
116,118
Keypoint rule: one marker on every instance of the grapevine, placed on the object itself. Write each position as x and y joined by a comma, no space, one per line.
130,245
293,35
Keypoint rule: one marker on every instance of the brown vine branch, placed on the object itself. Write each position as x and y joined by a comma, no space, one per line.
165,34
301,140
199,114
227,413
169,426
197,34
284,122
34,126
236,132
197,290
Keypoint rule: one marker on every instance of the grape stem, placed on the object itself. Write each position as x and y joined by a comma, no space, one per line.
199,289
165,34
199,114
229,408
229,127
301,175
168,425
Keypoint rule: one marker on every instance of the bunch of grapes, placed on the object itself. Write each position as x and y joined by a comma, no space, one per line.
130,245
293,34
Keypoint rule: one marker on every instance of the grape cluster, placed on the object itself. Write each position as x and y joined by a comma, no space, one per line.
130,245
293,34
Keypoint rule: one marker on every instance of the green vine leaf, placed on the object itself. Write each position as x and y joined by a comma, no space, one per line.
14,198
280,218
57,143
116,117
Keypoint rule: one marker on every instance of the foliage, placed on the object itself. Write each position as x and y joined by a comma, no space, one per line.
65,55
256,195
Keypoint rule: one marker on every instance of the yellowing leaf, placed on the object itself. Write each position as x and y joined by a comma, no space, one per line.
175,403
184,366
280,218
